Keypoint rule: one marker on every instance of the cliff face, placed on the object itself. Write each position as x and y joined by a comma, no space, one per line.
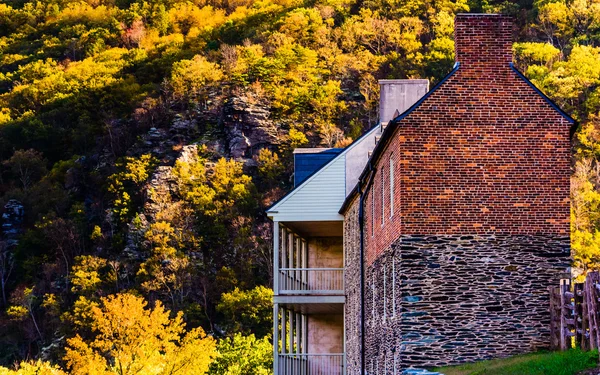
234,128
12,220
248,127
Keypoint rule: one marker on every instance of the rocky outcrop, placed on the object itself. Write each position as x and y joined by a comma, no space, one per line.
162,185
12,220
248,127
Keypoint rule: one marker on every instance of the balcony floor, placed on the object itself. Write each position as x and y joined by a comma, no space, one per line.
317,228
312,304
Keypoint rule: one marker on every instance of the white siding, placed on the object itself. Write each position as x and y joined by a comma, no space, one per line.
318,198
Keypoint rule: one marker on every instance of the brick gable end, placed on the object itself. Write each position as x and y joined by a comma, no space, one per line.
484,153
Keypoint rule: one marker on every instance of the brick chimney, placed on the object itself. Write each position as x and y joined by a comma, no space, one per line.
483,41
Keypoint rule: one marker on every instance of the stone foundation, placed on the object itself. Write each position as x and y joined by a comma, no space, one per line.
458,298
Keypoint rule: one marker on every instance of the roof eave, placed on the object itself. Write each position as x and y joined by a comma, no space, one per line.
270,209
387,133
540,93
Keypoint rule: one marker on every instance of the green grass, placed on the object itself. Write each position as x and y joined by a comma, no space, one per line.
544,363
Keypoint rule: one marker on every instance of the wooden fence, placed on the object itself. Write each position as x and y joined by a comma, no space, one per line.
574,309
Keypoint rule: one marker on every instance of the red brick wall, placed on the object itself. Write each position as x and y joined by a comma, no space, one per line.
484,153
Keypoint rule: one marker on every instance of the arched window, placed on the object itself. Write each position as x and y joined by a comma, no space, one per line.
373,293
394,287
385,299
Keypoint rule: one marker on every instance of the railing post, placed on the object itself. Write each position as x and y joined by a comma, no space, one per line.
276,258
275,339
304,263
283,331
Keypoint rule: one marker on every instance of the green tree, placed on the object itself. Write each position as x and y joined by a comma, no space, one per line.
167,269
248,311
243,355
190,79
86,274
126,184
28,167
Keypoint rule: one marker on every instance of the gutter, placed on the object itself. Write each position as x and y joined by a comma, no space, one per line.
361,217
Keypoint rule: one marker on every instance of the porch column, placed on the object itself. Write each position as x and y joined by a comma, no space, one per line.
275,339
275,292
275,257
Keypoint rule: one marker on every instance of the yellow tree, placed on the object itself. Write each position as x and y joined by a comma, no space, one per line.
166,271
33,368
130,338
85,276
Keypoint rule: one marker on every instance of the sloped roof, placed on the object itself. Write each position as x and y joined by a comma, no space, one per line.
321,194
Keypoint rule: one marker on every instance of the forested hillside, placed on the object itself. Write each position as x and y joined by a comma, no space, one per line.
141,141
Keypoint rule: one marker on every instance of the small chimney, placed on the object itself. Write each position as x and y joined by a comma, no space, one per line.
483,41
398,95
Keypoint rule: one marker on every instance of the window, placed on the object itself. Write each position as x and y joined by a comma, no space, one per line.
391,185
373,291
382,196
385,363
372,210
393,287
385,301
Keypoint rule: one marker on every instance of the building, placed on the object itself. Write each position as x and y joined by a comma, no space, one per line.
446,234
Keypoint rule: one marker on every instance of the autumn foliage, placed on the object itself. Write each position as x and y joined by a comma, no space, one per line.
120,229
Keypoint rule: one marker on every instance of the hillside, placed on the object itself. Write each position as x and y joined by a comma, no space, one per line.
141,141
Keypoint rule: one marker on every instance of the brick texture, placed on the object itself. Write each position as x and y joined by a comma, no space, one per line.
483,154
480,223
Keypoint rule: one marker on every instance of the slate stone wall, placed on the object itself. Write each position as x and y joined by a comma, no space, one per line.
352,287
460,298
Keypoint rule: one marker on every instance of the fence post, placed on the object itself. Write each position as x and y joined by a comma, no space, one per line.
554,308
565,306
578,299
591,282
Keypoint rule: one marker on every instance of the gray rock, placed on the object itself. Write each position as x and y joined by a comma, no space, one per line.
12,220
248,126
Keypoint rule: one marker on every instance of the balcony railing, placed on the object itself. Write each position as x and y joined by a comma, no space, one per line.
311,281
311,364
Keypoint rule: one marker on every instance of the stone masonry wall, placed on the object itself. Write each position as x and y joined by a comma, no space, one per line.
460,298
352,287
